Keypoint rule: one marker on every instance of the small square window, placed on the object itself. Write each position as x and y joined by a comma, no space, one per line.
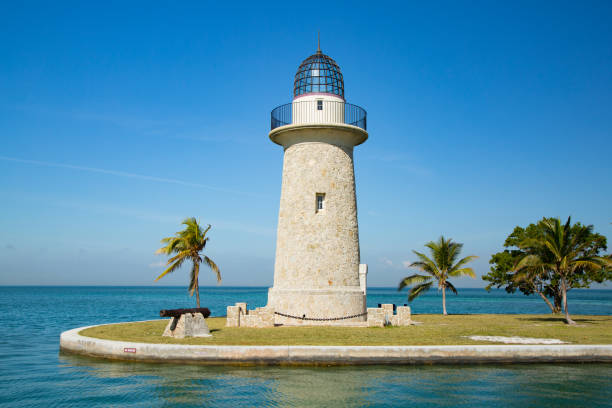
319,105
320,202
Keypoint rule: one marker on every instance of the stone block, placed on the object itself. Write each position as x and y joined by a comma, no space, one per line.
388,310
242,312
233,316
266,317
376,317
243,308
387,307
248,320
403,316
259,318
189,325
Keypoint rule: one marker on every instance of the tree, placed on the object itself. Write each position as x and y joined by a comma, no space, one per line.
440,268
503,271
187,245
539,280
564,251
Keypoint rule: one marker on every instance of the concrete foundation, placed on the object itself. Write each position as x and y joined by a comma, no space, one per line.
335,304
72,341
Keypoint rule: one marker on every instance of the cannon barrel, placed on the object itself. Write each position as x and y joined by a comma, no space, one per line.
178,312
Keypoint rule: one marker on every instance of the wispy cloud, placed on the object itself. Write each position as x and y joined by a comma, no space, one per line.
244,227
156,265
395,265
399,160
145,214
216,137
124,174
389,156
141,123
188,128
107,208
386,261
129,122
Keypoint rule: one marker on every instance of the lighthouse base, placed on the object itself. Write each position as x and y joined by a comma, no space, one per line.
320,307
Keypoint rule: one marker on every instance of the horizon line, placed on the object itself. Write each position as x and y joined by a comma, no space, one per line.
233,286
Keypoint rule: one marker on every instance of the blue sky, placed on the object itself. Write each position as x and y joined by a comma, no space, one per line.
117,121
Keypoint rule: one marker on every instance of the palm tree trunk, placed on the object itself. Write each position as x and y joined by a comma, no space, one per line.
558,303
197,288
444,300
550,305
568,319
197,282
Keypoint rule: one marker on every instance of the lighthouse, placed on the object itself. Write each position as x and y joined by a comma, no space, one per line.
317,275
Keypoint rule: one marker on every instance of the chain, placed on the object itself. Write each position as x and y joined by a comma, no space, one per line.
320,319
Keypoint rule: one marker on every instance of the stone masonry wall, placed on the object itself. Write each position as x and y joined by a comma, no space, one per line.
379,316
317,249
316,271
239,316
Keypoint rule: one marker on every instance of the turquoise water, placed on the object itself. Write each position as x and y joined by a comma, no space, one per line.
33,373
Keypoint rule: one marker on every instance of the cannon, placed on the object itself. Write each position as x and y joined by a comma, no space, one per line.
176,314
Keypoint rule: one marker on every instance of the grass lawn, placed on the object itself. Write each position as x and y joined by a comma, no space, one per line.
434,330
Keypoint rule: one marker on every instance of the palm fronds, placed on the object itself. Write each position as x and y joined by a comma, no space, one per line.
213,266
413,280
418,290
185,245
174,265
451,287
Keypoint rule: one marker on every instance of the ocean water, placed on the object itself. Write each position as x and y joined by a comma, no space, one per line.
34,374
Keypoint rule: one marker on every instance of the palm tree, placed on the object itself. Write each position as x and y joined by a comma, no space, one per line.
187,245
539,279
562,249
440,268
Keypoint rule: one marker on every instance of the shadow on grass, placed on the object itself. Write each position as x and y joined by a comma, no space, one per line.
559,319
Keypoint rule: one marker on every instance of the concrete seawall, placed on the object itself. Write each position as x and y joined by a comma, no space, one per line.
72,341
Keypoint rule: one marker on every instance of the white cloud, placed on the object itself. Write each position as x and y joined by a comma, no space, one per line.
386,261
406,264
156,265
126,175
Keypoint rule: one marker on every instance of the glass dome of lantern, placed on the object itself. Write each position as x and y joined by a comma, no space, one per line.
318,74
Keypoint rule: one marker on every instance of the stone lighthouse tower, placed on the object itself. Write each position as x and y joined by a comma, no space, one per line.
317,277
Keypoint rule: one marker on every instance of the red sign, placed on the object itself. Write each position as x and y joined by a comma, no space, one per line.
129,350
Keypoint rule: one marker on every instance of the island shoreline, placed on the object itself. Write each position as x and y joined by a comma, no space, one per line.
72,342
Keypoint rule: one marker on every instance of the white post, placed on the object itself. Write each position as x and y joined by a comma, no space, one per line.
363,277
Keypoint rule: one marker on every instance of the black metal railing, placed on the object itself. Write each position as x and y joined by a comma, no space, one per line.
280,116
318,112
